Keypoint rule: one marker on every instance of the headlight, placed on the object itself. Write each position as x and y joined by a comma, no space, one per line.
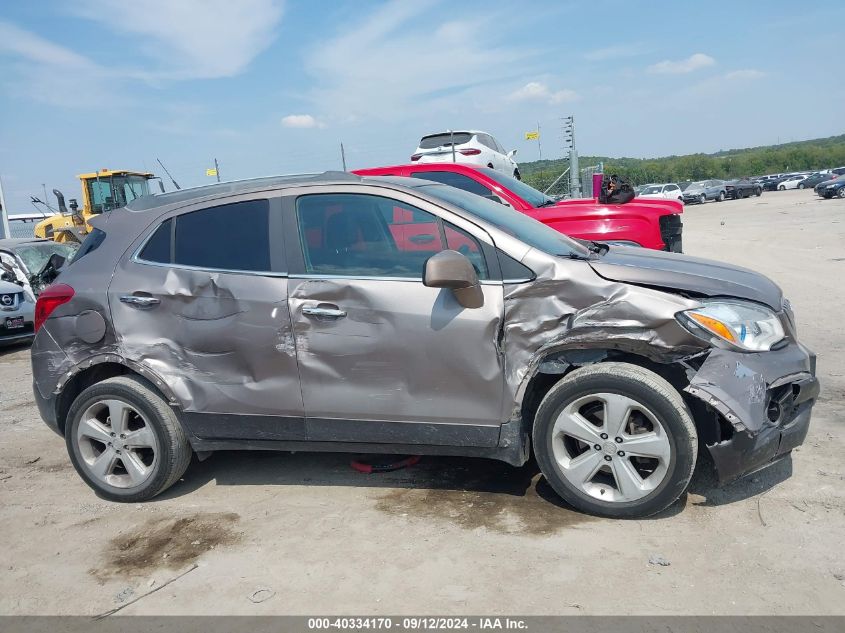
745,326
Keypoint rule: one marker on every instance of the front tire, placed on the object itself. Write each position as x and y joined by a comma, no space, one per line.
758,192
781,188
801,185
615,440
125,441
702,199
841,192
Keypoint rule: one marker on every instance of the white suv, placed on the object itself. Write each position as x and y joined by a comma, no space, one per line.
470,147
669,191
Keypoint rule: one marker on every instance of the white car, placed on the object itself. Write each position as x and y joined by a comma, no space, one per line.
17,313
669,191
792,182
472,147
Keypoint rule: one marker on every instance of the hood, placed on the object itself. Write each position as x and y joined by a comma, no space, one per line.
672,271
8,288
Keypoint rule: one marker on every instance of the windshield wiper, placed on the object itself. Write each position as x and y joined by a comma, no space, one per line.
547,203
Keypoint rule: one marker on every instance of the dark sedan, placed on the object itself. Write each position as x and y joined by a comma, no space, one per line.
832,188
742,188
814,179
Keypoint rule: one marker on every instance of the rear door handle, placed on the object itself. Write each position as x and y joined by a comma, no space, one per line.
324,312
140,301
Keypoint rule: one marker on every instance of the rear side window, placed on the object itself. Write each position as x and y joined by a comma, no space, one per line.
454,180
228,237
90,244
158,247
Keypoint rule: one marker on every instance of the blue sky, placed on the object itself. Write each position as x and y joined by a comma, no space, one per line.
274,86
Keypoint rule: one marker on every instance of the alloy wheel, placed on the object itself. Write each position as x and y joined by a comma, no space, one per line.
611,447
117,444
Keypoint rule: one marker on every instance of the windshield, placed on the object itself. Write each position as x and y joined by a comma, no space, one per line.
649,190
526,192
696,185
113,192
35,254
439,140
519,225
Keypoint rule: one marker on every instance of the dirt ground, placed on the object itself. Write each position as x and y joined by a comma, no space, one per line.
275,533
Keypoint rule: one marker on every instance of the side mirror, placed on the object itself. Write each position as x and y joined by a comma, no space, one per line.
450,269
512,153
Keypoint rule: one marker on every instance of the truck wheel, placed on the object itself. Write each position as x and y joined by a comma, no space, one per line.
125,441
615,440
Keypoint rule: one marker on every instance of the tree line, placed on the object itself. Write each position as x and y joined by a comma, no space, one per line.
815,154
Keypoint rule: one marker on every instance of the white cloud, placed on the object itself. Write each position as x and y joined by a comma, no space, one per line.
300,121
537,91
746,73
191,39
403,60
36,49
688,65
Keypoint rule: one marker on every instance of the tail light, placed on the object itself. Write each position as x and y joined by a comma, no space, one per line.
470,152
416,156
50,299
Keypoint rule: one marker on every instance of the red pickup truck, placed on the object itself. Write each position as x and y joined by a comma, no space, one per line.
652,224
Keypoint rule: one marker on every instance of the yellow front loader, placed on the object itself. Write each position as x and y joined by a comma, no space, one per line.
102,191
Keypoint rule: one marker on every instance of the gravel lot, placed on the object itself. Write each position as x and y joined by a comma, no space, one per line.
452,536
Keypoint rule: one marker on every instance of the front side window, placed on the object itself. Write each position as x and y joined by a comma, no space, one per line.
365,235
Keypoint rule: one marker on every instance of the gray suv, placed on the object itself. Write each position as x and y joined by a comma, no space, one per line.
394,315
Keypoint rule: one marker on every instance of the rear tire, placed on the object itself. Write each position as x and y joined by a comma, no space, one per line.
758,192
841,192
781,188
125,441
721,197
615,440
801,185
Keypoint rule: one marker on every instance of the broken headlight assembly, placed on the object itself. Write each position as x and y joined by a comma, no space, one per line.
748,327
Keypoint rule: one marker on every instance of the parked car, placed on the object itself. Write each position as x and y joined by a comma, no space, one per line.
17,309
832,188
814,179
649,223
791,182
669,191
705,190
472,147
320,330
742,188
26,259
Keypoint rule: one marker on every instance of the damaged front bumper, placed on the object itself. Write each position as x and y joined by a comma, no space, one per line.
766,398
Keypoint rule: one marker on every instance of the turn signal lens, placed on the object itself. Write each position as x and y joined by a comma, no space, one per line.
50,299
717,327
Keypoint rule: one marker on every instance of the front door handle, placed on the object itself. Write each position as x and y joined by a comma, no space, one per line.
324,312
140,301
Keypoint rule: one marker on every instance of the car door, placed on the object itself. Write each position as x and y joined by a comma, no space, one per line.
201,301
383,358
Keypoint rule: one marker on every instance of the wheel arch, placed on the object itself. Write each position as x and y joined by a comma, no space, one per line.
555,365
98,369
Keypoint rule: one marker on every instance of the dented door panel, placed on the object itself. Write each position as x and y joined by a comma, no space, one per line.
403,352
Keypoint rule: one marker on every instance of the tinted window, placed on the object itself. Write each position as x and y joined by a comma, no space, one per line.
90,244
157,248
459,240
454,180
438,140
228,237
526,192
484,139
363,235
